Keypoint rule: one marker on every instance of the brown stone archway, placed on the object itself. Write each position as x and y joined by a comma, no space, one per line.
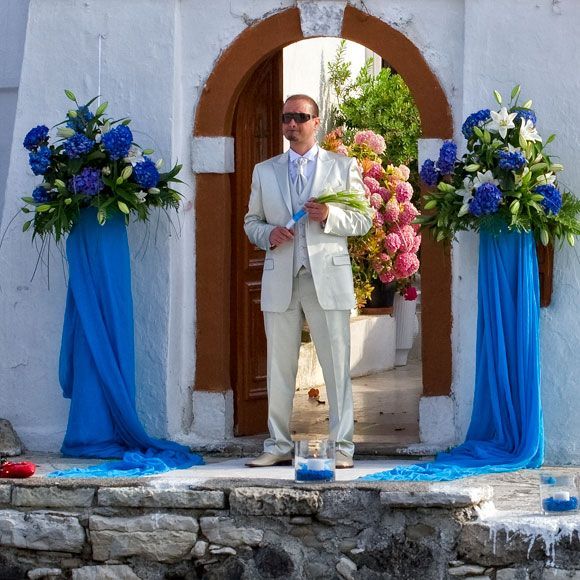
214,117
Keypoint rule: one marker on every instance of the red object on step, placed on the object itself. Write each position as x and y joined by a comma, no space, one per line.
17,470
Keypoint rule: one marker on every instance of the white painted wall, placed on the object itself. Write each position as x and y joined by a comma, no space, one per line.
156,58
12,33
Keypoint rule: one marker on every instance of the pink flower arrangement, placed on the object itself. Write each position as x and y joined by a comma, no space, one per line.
388,252
369,138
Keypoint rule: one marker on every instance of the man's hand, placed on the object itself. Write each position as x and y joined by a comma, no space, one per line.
279,236
317,212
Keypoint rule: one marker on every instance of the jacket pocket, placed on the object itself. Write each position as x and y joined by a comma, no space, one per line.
268,264
342,260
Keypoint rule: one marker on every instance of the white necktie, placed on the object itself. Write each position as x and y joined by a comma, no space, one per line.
300,175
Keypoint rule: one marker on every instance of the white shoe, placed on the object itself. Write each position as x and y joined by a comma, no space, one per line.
270,459
343,461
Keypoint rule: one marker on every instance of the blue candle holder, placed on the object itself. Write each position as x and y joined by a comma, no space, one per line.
314,460
558,493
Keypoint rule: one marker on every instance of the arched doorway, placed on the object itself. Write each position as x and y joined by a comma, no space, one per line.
214,118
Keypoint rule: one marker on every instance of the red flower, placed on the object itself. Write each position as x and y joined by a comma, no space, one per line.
410,293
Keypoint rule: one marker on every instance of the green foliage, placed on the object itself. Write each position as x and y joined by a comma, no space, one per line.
381,103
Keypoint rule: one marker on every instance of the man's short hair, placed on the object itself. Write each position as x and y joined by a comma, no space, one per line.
310,100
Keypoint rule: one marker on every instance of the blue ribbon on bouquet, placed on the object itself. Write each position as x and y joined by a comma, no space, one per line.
296,218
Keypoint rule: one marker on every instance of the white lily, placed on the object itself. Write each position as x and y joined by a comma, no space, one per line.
141,195
528,131
547,179
501,121
467,192
482,178
134,156
512,149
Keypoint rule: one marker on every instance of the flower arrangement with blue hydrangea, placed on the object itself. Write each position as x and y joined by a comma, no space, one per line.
505,177
92,163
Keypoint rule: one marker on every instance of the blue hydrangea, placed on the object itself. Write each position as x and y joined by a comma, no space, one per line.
78,145
428,173
36,137
117,141
527,114
511,161
79,123
87,182
146,174
475,119
41,194
39,160
552,201
486,200
447,155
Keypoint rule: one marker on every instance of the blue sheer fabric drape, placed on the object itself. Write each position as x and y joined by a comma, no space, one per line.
506,429
97,361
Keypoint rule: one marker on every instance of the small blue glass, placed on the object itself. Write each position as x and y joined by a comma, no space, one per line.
558,494
314,460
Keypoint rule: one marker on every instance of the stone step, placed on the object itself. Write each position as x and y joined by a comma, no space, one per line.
504,538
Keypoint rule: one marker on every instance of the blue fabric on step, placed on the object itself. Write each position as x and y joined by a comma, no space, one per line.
506,430
97,360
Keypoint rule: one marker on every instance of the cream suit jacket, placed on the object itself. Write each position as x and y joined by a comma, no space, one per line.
271,205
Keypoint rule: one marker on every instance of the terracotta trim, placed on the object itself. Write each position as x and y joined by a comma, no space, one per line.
214,117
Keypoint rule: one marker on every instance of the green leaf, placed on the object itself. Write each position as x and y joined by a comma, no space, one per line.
527,104
42,208
28,199
550,139
544,237
472,168
101,217
522,141
497,97
515,206
445,187
478,132
148,151
571,239
430,204
26,225
123,207
70,95
515,92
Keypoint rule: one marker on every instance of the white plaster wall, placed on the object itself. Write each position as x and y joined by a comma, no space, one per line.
12,33
534,44
138,80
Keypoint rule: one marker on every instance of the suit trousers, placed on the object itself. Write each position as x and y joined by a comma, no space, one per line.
330,331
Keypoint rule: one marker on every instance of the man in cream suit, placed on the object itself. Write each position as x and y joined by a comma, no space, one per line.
307,273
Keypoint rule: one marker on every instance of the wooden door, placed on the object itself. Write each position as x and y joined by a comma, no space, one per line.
258,136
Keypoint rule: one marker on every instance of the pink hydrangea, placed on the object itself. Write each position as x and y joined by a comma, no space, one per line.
342,150
416,244
408,213
407,235
406,264
387,277
372,184
376,200
392,242
391,213
404,191
385,193
405,172
367,190
378,220
375,171
372,140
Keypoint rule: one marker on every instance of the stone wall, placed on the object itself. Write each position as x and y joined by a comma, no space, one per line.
226,530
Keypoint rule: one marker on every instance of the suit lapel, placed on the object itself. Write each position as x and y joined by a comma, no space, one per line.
281,171
324,166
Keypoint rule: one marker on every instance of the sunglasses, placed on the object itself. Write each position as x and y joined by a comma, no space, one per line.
298,117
